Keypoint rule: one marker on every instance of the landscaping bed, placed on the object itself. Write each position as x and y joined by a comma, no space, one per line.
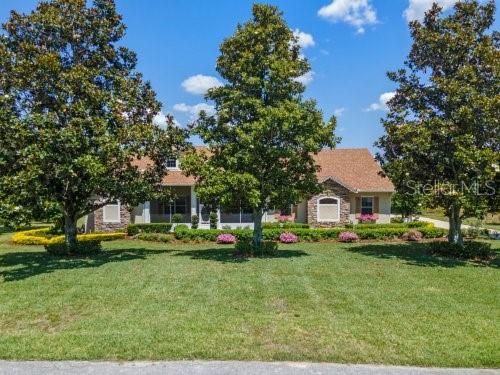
364,232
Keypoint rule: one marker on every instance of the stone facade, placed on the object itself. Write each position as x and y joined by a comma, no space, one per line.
101,226
330,189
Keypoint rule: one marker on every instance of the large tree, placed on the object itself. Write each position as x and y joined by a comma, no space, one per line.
264,133
75,114
442,131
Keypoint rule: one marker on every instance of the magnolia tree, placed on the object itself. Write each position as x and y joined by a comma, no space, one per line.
262,137
74,115
442,131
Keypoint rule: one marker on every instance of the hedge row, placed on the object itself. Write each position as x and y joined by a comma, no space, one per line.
156,237
411,225
43,237
287,225
308,234
211,234
134,229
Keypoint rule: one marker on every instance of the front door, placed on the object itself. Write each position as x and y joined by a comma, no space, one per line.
204,215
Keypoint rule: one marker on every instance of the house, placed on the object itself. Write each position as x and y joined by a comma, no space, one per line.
352,185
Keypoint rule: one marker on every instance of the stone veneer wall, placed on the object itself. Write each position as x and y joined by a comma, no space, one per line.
330,189
101,226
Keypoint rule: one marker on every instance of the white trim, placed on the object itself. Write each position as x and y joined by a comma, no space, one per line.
147,212
194,200
176,168
318,208
361,204
119,214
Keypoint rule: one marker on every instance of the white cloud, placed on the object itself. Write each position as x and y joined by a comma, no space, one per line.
194,110
417,8
338,111
305,79
199,84
160,120
304,39
357,13
382,102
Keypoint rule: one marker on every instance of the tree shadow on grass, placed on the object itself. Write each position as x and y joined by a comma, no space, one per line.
416,254
229,255
22,265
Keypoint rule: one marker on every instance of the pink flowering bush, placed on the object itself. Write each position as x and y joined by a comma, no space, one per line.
226,238
348,237
284,218
287,237
367,218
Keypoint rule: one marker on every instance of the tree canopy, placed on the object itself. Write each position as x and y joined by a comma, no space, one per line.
264,133
442,131
75,114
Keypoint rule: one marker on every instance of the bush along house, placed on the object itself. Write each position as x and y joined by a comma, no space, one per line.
354,190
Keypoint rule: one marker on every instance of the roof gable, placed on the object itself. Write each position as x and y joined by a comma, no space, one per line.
355,169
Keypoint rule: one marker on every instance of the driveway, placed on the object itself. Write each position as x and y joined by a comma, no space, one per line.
494,234
219,368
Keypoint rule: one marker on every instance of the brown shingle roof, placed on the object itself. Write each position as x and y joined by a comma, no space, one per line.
174,177
354,168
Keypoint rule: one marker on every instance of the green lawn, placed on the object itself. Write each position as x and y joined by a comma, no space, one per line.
364,303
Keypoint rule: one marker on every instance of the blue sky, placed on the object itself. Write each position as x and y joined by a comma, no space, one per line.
355,43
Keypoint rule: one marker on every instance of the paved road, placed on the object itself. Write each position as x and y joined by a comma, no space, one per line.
445,225
219,368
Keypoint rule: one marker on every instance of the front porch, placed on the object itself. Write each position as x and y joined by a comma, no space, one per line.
185,203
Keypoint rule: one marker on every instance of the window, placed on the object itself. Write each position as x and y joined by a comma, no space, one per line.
236,215
172,163
111,213
328,209
366,205
161,211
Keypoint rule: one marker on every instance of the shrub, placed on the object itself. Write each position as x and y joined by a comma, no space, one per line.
414,224
211,234
83,247
226,238
348,237
412,235
195,220
246,248
32,237
288,237
432,232
44,237
177,218
156,237
213,218
469,250
284,218
286,225
181,227
367,218
133,229
101,236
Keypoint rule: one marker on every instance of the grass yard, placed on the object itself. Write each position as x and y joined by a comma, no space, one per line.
364,303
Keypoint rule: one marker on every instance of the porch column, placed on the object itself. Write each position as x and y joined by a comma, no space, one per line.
147,213
194,209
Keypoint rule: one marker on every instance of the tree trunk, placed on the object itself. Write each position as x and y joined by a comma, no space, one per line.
455,232
70,231
257,227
